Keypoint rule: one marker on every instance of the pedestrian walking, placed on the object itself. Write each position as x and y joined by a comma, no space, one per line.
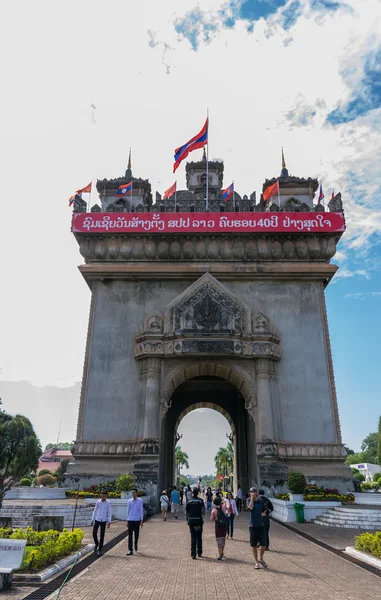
181,495
256,508
239,498
164,504
195,511
231,512
209,499
175,502
188,493
219,518
134,520
100,519
266,519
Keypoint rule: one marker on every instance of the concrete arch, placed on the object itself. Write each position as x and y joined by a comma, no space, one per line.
228,371
212,406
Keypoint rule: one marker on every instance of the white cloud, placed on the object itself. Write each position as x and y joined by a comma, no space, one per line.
151,91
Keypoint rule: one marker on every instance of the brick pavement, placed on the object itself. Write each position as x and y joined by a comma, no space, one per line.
163,569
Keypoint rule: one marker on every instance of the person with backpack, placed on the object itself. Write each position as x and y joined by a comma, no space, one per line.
219,517
266,519
195,511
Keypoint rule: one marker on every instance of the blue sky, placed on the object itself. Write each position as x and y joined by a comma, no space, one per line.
300,74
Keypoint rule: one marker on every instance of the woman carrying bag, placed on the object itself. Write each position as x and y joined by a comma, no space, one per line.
164,504
231,512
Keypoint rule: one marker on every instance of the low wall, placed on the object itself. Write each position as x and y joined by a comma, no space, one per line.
369,498
35,493
118,506
284,510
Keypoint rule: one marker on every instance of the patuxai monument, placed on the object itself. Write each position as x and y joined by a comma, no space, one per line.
201,302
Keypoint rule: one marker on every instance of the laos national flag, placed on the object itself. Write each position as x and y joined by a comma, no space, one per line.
123,190
198,141
321,194
227,194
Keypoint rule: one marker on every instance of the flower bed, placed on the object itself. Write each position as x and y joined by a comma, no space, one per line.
88,494
370,543
44,547
314,493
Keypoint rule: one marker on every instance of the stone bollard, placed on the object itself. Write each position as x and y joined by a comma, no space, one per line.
44,523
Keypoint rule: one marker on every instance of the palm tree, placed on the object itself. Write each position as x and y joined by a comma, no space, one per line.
182,460
224,460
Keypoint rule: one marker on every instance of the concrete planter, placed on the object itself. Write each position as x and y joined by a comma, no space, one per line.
125,495
370,498
36,493
118,506
296,497
284,509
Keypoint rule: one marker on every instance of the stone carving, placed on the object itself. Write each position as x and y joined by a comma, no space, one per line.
80,206
96,208
158,197
227,248
319,207
154,323
206,306
336,205
118,448
267,448
304,207
261,323
274,207
291,205
311,451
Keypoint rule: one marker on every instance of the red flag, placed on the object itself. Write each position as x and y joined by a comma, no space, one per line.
170,191
85,190
271,191
333,194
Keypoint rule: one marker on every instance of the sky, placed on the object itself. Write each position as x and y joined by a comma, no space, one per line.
304,75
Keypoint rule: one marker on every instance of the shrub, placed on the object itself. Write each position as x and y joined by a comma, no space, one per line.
282,497
359,476
370,485
54,548
83,494
125,482
296,482
34,538
5,532
354,471
369,542
376,477
24,482
46,480
379,482
44,472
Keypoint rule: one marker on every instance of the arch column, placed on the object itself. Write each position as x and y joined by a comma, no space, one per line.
151,373
265,372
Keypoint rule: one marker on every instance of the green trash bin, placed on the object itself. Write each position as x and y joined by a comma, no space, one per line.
299,511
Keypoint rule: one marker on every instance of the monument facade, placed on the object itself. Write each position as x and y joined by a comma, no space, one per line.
222,309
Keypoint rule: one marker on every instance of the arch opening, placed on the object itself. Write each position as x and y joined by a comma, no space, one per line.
222,396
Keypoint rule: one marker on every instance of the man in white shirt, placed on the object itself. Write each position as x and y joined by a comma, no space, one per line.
134,519
101,517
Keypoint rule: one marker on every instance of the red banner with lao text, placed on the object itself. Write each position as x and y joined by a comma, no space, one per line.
207,222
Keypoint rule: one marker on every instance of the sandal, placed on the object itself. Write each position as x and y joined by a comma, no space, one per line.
262,562
257,566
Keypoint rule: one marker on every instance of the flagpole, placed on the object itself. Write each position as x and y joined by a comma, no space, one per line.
88,207
207,163
278,193
131,198
233,197
175,194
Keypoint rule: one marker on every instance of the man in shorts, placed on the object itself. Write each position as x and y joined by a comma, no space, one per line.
257,511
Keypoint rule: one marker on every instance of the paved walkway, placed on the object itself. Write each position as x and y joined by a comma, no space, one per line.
163,570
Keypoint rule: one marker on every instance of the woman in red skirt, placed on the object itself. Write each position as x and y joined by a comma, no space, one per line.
219,518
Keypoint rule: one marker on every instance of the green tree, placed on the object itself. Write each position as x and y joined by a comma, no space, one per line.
19,450
370,446
349,451
356,457
379,442
60,472
224,461
60,446
181,460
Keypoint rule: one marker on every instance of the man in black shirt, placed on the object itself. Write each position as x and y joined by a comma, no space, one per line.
195,511
266,519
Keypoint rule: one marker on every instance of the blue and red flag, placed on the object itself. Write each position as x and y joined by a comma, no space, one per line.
123,190
321,195
198,141
72,199
228,193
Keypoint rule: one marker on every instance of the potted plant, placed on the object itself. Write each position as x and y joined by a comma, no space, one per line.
296,484
124,483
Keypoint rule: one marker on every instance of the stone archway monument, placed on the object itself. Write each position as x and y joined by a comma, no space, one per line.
219,307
